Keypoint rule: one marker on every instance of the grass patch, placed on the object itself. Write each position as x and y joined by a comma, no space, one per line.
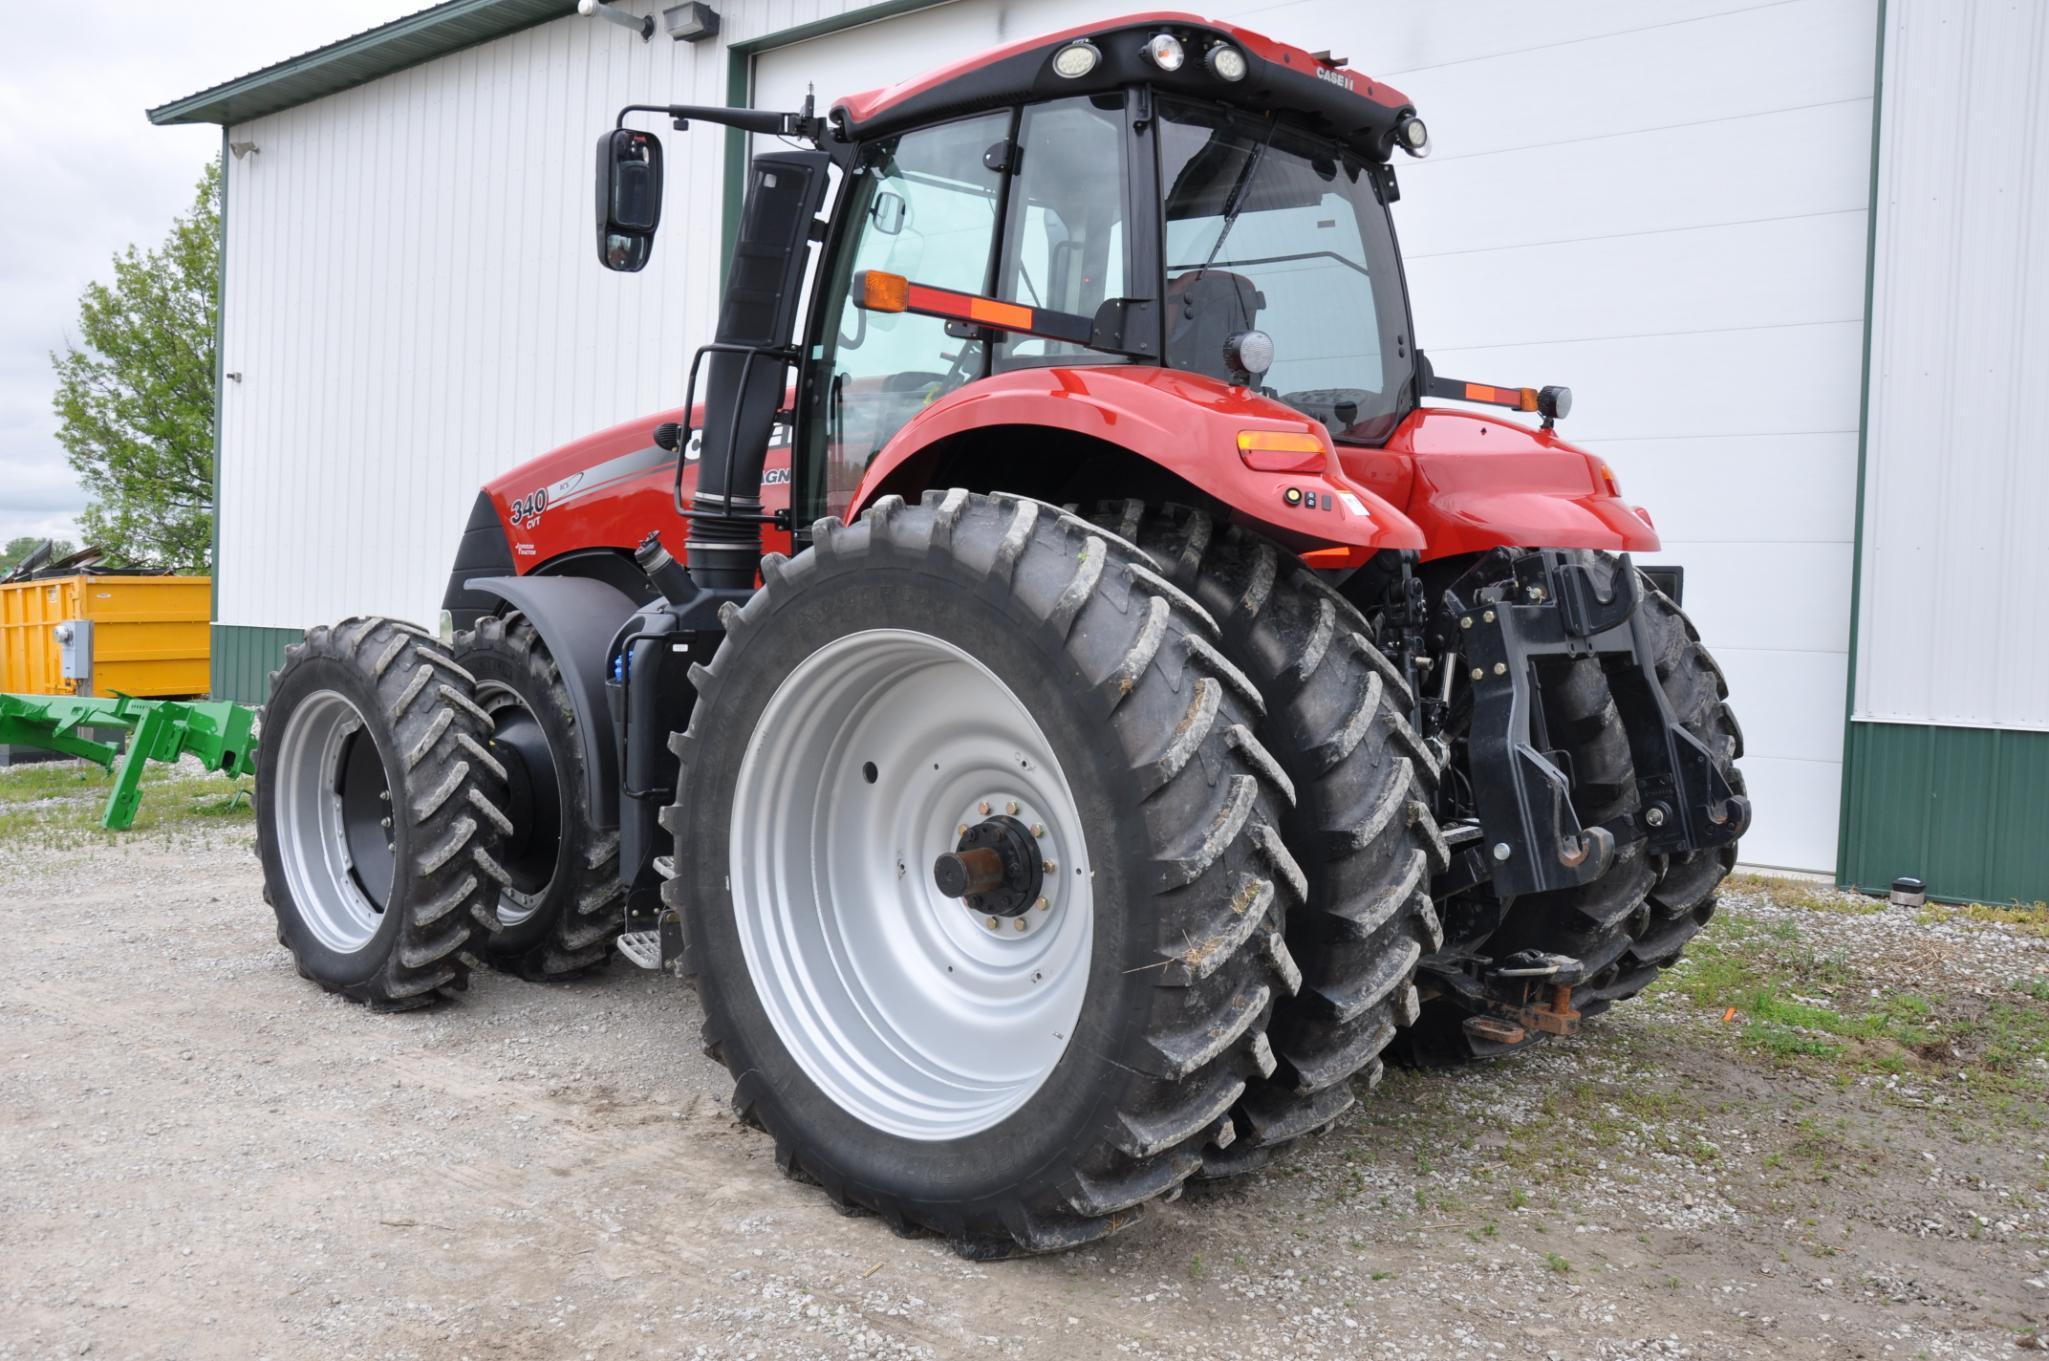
60,803
2030,919
1804,895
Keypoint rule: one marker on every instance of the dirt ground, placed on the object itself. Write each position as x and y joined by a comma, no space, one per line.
202,1155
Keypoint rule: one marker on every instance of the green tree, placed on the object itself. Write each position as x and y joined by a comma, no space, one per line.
135,399
17,549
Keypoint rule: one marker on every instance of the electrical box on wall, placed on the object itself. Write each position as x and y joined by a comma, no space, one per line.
74,652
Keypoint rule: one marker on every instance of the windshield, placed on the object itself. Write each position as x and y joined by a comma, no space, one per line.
1274,230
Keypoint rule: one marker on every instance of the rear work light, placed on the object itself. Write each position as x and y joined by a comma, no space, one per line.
1225,62
1076,60
1413,134
1281,451
1165,50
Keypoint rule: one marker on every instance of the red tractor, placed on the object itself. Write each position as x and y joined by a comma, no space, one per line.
1065,698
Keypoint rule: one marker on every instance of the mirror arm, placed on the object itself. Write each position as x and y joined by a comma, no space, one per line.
765,121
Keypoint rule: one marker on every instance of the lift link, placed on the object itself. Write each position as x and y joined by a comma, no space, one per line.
1546,603
219,734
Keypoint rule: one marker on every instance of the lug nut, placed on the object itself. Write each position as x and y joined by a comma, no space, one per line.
385,795
1018,922
1466,622
1048,866
1041,904
1011,808
387,824
1654,816
983,807
1038,829
992,924
1536,593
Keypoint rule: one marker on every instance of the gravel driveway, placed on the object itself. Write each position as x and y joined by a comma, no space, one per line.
201,1155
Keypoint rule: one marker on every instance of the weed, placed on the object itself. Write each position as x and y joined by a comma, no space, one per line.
1557,1263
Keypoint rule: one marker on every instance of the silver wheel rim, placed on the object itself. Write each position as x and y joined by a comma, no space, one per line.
321,872
909,1010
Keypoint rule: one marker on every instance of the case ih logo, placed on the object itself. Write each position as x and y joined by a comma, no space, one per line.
1337,78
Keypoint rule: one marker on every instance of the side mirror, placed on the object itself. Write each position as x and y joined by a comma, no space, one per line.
629,198
888,212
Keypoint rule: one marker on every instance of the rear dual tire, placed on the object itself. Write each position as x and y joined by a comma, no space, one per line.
1135,753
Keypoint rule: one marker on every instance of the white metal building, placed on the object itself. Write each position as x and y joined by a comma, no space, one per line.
1667,204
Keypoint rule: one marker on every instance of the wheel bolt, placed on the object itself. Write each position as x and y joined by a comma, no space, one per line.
961,830
1479,674
1466,622
1041,904
385,795
1488,616
983,807
1011,808
1502,850
1038,829
1048,866
1019,923
992,924
387,824
1501,668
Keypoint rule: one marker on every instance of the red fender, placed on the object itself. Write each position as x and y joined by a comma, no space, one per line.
1186,423
1475,482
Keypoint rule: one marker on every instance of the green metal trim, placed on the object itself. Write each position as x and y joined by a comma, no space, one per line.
361,58
740,88
243,656
220,315
1960,808
1847,809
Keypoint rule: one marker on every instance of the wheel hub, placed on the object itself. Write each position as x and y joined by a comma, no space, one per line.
995,869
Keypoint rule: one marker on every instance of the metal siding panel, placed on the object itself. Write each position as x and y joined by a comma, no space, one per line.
1958,807
1955,485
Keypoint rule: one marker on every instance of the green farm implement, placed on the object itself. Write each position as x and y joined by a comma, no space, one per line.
219,734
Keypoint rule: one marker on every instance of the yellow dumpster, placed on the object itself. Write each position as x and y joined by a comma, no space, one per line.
103,635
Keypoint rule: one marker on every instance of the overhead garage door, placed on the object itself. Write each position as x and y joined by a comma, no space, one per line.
1608,209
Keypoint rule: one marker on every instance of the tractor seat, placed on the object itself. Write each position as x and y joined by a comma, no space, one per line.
1204,309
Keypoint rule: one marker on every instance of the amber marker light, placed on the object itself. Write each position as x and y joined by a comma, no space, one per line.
880,292
1280,451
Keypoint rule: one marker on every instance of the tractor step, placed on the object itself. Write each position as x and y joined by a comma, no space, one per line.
643,948
653,947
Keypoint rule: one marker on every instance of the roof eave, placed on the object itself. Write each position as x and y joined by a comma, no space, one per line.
360,59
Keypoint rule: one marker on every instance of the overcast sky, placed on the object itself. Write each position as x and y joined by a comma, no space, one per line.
84,173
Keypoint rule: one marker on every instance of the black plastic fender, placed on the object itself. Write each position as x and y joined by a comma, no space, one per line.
577,618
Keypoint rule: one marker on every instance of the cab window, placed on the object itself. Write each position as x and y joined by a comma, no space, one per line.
1064,249
927,210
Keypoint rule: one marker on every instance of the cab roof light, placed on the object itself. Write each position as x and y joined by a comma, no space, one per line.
1166,51
1076,59
1412,134
1225,62
1282,451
